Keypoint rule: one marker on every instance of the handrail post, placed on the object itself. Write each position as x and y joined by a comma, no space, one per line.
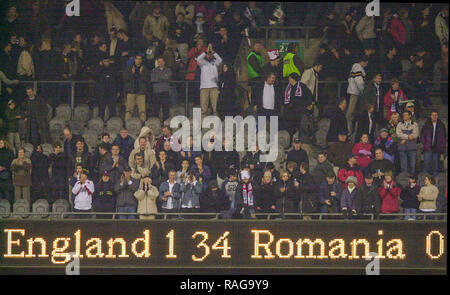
72,98
35,86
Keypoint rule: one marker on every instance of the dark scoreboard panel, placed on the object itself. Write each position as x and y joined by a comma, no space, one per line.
224,244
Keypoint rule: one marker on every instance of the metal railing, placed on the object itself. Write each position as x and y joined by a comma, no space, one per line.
202,215
188,83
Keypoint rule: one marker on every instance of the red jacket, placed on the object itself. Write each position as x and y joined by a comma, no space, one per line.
363,154
193,65
389,198
347,171
389,100
398,30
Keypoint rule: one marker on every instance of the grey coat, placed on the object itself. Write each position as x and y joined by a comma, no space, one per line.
125,193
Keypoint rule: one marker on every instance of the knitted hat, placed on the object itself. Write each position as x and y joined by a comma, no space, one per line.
351,179
245,174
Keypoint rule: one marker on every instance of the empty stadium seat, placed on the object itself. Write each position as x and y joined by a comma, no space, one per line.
441,179
402,179
28,149
60,205
134,126
97,125
113,137
91,139
5,208
177,110
64,112
77,126
82,113
21,206
47,149
56,126
321,138
114,125
284,139
154,124
421,178
40,206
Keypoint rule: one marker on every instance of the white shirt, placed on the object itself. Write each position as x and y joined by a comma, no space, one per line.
268,98
209,77
434,133
83,195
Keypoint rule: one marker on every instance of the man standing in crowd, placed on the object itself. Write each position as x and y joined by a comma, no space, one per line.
266,98
160,79
311,79
374,95
355,88
255,63
291,62
338,151
274,65
434,140
35,116
125,142
379,166
125,189
338,122
170,194
323,168
407,133
297,154
209,62
107,88
135,79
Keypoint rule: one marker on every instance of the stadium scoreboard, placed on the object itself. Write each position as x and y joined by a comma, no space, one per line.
223,244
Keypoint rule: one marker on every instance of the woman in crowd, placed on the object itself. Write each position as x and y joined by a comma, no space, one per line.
389,193
363,152
227,97
39,174
409,195
428,195
147,195
21,168
265,201
393,99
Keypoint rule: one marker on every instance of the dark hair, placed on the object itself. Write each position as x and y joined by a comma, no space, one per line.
291,47
103,146
29,87
305,166
294,76
341,100
138,155
322,153
406,111
57,144
105,134
431,178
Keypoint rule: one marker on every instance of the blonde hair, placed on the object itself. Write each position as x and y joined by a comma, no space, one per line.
394,114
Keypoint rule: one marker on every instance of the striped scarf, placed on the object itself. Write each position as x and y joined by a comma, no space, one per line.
247,194
287,93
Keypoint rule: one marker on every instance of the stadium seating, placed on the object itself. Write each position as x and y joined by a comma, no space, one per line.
114,125
134,126
28,147
40,206
82,113
20,207
50,112
60,205
77,126
56,126
96,125
5,208
63,112
402,179
154,123
284,139
47,149
91,139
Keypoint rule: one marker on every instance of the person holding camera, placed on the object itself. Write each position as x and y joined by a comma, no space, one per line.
191,189
209,62
147,195
125,189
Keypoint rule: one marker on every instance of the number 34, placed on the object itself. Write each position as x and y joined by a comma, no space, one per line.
216,246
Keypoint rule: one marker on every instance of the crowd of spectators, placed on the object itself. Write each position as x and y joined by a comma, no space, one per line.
133,50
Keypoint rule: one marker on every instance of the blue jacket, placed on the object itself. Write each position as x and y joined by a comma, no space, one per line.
126,145
191,193
324,194
176,193
350,200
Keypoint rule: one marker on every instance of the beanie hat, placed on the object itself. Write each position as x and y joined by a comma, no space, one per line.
351,179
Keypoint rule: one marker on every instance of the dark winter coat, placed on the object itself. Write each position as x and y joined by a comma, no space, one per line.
125,193
38,109
297,156
350,200
214,201
321,171
126,146
338,153
104,196
409,196
308,193
39,171
287,201
427,136
369,201
226,103
338,122
136,83
324,194
265,197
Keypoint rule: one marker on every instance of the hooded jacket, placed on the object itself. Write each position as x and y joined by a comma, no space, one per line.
146,197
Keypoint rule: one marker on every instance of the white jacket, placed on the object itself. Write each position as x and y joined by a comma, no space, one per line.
83,195
209,77
309,78
356,80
